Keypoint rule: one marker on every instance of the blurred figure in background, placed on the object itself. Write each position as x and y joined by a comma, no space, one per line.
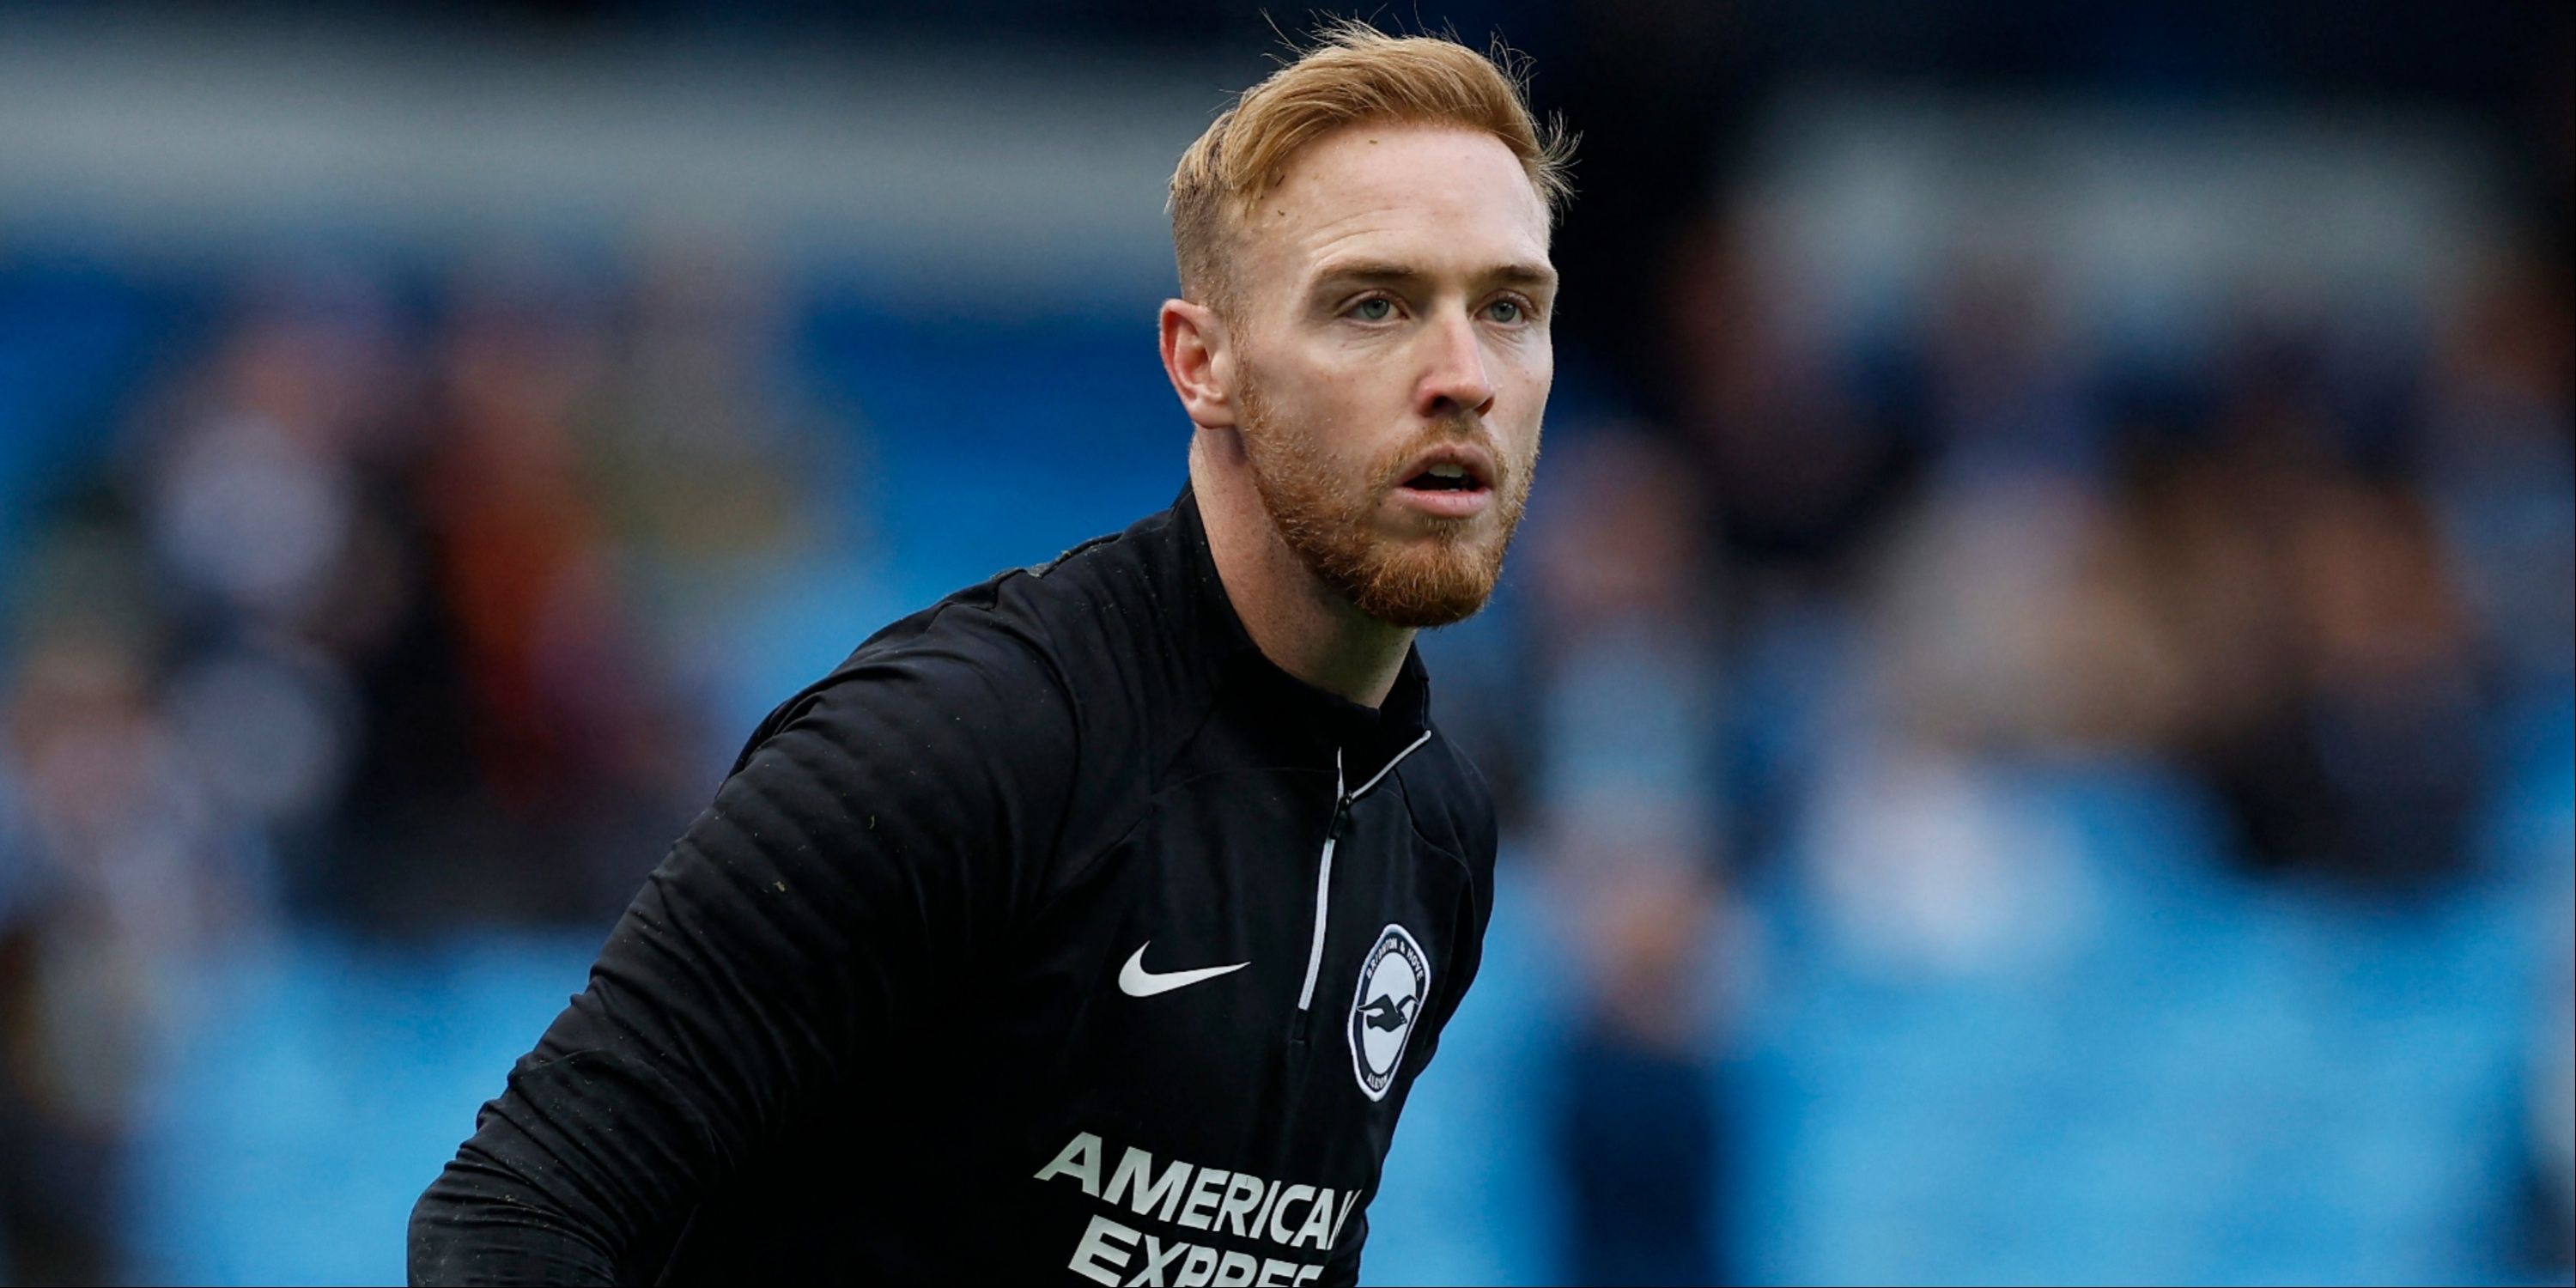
1921,853
114,869
2330,692
2550,1106
522,738
260,481
1632,828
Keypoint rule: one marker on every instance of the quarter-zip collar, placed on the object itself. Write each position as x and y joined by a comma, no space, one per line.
1367,740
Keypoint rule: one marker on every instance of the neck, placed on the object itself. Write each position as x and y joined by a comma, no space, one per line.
1303,626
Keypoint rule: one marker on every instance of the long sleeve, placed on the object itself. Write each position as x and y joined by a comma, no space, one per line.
879,833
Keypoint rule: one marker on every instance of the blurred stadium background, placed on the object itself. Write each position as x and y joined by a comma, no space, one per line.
2033,710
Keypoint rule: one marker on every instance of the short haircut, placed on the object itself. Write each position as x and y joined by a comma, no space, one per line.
1353,73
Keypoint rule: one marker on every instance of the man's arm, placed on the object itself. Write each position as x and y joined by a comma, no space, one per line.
878,834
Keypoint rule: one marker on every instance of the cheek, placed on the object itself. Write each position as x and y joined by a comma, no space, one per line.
1340,413
1528,362
1526,386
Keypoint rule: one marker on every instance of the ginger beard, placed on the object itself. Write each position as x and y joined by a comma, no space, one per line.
1327,518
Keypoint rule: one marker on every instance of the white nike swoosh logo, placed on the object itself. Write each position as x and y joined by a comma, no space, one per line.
1136,981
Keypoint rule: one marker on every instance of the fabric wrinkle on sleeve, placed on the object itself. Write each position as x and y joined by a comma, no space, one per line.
883,832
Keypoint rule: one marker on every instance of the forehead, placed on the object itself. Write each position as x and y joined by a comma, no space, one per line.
1443,198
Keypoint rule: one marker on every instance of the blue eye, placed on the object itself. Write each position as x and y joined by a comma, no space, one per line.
1506,311
1376,308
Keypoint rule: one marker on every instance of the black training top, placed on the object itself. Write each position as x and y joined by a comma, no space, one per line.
1055,933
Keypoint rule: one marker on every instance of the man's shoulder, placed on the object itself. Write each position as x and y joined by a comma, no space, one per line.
1021,648
932,686
1119,584
1451,803
1028,616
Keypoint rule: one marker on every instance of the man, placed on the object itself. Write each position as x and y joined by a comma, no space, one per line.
1095,922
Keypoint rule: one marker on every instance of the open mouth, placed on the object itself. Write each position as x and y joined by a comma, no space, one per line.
1445,477
1448,489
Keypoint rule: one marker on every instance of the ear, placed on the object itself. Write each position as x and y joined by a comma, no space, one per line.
1198,355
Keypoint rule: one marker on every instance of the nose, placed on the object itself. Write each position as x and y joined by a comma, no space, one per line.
1456,381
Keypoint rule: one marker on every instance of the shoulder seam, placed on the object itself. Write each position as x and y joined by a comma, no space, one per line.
1040,570
1413,819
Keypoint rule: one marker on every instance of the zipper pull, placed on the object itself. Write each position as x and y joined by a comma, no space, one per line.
1341,817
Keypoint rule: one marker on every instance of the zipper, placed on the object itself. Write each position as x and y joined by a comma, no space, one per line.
1324,883
1342,801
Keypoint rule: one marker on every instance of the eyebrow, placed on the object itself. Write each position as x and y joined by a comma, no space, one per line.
1370,270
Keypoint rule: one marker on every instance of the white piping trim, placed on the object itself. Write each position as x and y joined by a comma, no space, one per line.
1409,749
1323,890
1315,954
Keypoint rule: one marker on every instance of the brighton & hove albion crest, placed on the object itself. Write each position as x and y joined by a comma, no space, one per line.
1395,982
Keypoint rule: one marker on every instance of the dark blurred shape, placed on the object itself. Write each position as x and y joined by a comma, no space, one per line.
1645,171
115,866
2549,1098
513,709
71,996
2334,697
1798,465
1639,1134
1634,825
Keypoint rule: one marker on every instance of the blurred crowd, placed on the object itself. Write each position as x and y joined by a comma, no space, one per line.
1800,624
394,602
382,612
2314,571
